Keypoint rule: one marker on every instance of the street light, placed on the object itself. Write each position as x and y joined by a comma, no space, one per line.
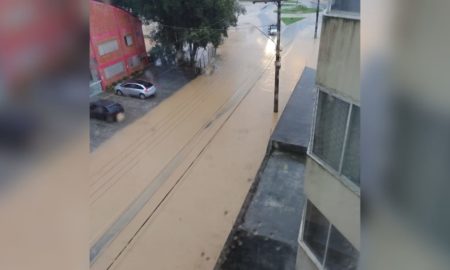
278,56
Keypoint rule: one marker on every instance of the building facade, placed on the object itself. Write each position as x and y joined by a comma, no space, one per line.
117,47
329,236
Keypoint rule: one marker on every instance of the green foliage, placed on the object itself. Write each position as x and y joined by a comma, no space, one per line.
166,54
297,9
291,20
180,22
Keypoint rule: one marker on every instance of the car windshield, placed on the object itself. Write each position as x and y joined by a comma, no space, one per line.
114,107
144,83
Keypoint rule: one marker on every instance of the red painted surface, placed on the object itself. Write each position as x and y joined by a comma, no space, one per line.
34,36
111,23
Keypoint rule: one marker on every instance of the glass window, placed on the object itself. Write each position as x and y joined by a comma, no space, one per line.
327,244
350,166
145,83
331,120
315,232
341,255
136,86
114,70
128,40
134,61
108,47
346,5
335,129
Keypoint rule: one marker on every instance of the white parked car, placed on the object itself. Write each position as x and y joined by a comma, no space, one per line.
136,88
272,29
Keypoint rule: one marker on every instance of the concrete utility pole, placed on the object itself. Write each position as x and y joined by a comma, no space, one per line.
317,19
278,55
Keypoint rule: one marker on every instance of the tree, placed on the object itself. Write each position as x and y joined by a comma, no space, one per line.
187,22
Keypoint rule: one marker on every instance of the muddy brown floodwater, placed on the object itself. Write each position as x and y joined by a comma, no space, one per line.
160,187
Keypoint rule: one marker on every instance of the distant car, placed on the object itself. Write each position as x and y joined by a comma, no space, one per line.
106,110
273,29
136,88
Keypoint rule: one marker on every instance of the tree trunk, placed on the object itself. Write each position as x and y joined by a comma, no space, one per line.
193,51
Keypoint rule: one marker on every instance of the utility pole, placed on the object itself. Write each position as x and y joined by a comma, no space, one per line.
317,19
278,55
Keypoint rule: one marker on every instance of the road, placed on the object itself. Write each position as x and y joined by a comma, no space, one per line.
166,189
168,80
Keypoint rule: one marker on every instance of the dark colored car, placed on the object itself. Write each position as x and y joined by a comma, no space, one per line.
106,110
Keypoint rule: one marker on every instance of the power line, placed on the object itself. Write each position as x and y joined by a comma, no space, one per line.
214,29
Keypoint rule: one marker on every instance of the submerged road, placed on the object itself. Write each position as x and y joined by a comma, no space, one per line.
165,190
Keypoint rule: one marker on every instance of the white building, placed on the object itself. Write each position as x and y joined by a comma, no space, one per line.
329,236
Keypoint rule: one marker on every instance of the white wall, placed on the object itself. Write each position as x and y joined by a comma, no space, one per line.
303,261
338,66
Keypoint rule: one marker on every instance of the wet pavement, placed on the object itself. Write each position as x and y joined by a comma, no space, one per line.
265,234
168,80
166,190
294,128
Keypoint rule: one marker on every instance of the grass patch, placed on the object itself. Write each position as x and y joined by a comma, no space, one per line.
296,10
291,20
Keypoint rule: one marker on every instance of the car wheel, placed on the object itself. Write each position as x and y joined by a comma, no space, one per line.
141,96
119,93
110,118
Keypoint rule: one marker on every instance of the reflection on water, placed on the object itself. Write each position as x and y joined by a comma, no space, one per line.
270,46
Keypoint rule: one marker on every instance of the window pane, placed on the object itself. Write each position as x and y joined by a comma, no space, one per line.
129,40
330,129
346,5
341,255
114,70
145,83
316,231
351,157
134,61
107,47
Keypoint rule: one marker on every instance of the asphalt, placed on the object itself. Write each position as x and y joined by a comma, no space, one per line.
168,80
172,183
265,233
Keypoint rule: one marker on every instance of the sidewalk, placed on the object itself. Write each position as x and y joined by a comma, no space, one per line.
266,231
167,189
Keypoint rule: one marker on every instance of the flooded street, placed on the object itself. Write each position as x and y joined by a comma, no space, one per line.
171,183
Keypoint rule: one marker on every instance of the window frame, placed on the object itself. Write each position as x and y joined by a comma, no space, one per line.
130,61
137,86
106,70
304,245
336,173
109,52
126,40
